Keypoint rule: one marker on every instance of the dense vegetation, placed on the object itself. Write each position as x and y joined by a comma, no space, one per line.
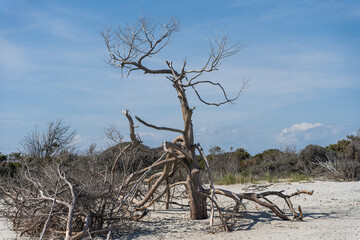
340,161
9,164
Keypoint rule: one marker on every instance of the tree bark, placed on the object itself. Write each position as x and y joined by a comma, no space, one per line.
198,208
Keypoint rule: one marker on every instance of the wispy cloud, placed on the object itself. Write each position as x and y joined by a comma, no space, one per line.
13,59
58,27
48,19
296,70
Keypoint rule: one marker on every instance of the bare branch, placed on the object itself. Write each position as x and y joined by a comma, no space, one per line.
130,45
227,100
220,50
158,128
50,213
135,138
256,197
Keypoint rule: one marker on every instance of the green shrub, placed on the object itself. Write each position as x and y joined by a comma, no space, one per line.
9,169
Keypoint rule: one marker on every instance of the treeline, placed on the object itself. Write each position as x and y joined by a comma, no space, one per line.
340,161
9,164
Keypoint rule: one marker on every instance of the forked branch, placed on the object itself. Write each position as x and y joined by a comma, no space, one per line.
130,45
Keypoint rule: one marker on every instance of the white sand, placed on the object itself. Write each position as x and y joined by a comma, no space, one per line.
5,233
333,212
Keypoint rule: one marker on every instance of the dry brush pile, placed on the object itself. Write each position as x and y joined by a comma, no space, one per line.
70,196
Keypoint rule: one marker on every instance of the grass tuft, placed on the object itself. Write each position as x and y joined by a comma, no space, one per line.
297,177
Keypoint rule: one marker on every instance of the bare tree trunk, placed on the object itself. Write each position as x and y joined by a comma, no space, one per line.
198,209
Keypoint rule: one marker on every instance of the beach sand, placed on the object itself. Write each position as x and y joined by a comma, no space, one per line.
5,232
332,212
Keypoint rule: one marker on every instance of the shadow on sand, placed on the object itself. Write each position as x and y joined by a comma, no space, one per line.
251,219
244,221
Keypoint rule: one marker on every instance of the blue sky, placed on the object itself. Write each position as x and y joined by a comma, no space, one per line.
302,60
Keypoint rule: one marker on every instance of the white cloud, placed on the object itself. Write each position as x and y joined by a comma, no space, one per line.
303,132
299,127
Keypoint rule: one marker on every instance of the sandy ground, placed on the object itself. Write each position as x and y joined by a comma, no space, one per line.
5,233
333,212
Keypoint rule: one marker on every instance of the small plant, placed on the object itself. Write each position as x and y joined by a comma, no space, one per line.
244,179
271,178
228,179
297,177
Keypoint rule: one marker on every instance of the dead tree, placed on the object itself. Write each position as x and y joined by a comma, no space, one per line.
41,145
129,47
